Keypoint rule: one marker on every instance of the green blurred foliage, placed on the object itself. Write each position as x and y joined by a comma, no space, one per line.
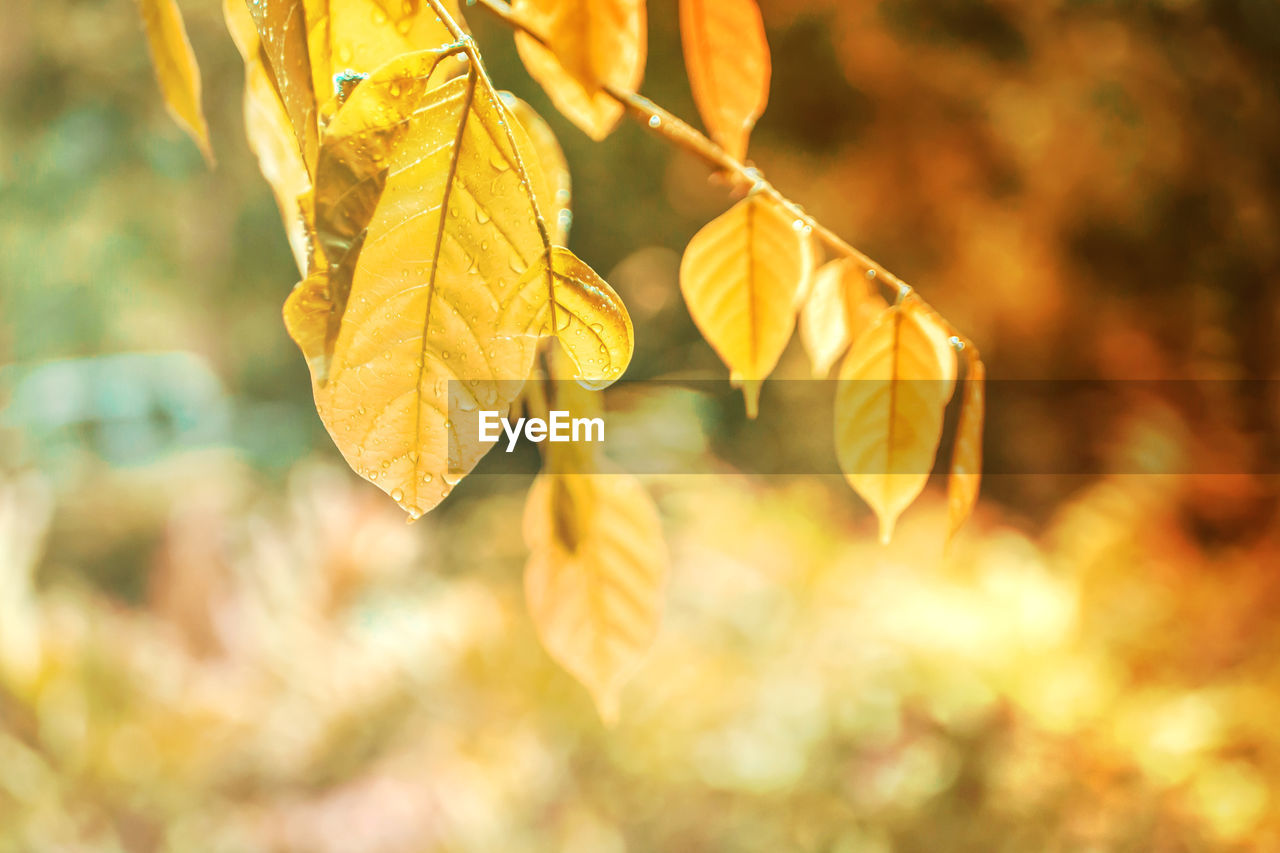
213,637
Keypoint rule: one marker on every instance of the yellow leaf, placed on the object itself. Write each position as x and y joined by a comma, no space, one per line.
842,304
742,277
593,43
282,34
315,47
355,37
270,134
439,279
176,69
595,578
966,456
894,387
556,197
727,56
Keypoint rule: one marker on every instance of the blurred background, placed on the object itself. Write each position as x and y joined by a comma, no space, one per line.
215,637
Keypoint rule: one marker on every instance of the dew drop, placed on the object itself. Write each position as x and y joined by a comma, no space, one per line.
956,343
397,495
871,274
453,478
798,225
655,121
427,478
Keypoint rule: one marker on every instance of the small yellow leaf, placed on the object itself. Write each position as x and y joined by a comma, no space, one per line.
439,278
556,197
312,47
282,34
727,56
595,578
842,304
894,387
355,37
176,69
966,456
742,277
270,134
594,43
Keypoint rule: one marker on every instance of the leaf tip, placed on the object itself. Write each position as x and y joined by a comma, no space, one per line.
750,393
608,706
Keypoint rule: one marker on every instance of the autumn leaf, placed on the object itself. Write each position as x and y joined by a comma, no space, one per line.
890,402
440,278
742,277
587,45
842,304
176,69
727,56
270,134
313,48
966,456
595,577
282,35
556,196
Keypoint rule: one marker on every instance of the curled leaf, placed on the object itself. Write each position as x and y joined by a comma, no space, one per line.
176,69
742,277
593,44
315,50
439,278
727,55
890,403
966,457
595,577
270,134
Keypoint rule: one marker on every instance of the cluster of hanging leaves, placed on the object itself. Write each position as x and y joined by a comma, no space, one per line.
428,212
749,276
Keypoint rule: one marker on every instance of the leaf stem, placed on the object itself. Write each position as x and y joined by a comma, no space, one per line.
746,178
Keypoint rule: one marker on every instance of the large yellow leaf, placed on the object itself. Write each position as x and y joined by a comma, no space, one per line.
742,277
727,56
894,387
593,43
595,578
176,69
966,456
555,198
842,304
439,278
